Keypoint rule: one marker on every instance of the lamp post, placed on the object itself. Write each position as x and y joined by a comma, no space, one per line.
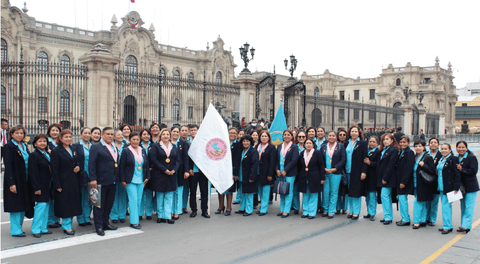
160,96
293,66
420,98
204,93
348,121
244,56
407,92
363,124
375,120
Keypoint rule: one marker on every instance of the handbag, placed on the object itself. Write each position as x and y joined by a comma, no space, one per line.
427,177
281,187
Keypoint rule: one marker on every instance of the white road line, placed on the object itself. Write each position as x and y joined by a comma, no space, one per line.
68,242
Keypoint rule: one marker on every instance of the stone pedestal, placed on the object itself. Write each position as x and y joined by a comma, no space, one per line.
247,84
408,119
422,122
441,125
100,91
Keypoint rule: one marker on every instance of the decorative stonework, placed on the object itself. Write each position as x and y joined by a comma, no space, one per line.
132,20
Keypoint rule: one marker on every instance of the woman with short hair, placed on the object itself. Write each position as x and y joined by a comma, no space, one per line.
286,168
83,150
247,175
386,177
468,167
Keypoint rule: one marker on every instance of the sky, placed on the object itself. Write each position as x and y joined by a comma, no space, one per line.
350,38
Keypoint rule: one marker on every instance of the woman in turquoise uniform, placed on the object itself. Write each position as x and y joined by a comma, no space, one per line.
448,181
266,169
247,175
126,130
312,134
16,197
404,174
468,167
134,174
182,174
96,133
334,156
120,204
65,174
311,178
53,132
146,206
432,207
83,150
321,139
238,197
184,130
235,150
286,168
386,177
371,160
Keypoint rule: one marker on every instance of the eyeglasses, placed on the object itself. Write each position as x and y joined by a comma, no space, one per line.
233,133
301,136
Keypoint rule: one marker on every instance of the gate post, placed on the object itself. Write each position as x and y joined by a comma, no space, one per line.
408,119
100,90
422,119
248,85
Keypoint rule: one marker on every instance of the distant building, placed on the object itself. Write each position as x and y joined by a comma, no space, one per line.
467,114
470,89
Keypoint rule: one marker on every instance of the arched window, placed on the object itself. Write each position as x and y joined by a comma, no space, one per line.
161,72
4,51
65,64
42,61
4,101
398,82
317,92
64,103
191,78
218,77
176,77
176,110
131,66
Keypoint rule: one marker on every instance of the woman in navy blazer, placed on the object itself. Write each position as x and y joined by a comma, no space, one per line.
448,181
266,169
40,179
165,160
16,197
468,167
311,178
286,168
404,177
83,151
334,158
182,174
65,174
432,207
386,176
134,174
247,177
373,155
53,132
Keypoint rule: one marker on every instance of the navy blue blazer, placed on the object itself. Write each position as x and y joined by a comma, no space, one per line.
15,174
249,171
127,166
451,175
371,185
404,171
83,179
360,152
267,165
469,173
426,190
184,163
386,168
314,173
39,176
101,165
161,182
291,159
339,157
50,145
437,157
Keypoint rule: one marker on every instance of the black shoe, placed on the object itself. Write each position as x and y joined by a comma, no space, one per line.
430,223
446,231
304,216
354,217
115,221
324,215
330,217
193,214
285,216
219,211
184,211
170,221
279,214
39,235
136,226
55,225
110,227
82,224
247,214
70,233
205,214
47,233
141,218
20,235
337,211
311,217
416,226
382,220
372,218
235,203
295,212
88,223
322,210
122,220
149,218
258,212
227,213
367,216
423,224
239,212
100,232
160,220
387,222
175,218
344,211
349,216
402,223
262,214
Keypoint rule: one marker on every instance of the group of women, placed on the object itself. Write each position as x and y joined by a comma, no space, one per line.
332,170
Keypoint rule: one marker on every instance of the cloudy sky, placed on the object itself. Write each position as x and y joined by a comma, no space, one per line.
350,38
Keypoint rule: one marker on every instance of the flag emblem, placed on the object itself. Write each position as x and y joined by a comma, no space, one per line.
216,149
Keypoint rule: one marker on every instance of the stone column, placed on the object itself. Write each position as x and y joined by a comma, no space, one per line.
408,119
247,84
441,124
422,122
100,91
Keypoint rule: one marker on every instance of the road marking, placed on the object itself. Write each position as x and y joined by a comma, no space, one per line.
68,242
447,246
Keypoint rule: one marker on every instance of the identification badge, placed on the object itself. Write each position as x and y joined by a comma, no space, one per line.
167,160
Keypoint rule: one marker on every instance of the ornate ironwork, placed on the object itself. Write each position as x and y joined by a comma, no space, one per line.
268,81
244,56
289,91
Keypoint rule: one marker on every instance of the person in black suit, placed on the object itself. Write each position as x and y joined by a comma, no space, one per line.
197,178
103,170
386,177
468,167
311,177
83,150
3,134
398,134
342,203
53,131
432,207
371,160
65,175
16,196
247,175
165,158
404,177
266,171
40,180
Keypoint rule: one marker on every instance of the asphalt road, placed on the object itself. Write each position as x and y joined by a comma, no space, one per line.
237,239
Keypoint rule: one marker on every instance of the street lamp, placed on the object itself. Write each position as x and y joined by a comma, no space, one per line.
420,98
348,121
293,66
407,92
244,56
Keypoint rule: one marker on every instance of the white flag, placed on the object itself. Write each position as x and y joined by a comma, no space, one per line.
210,150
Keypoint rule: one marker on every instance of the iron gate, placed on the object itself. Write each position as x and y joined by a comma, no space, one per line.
263,88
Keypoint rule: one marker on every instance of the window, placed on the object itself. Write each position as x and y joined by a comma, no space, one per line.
191,78
131,66
426,81
341,114
64,103
356,114
82,107
162,108
464,104
465,122
42,61
356,95
43,123
317,92
372,94
42,104
398,82
342,95
161,72
4,100
190,112
371,115
4,51
65,64
218,77
176,110
176,77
